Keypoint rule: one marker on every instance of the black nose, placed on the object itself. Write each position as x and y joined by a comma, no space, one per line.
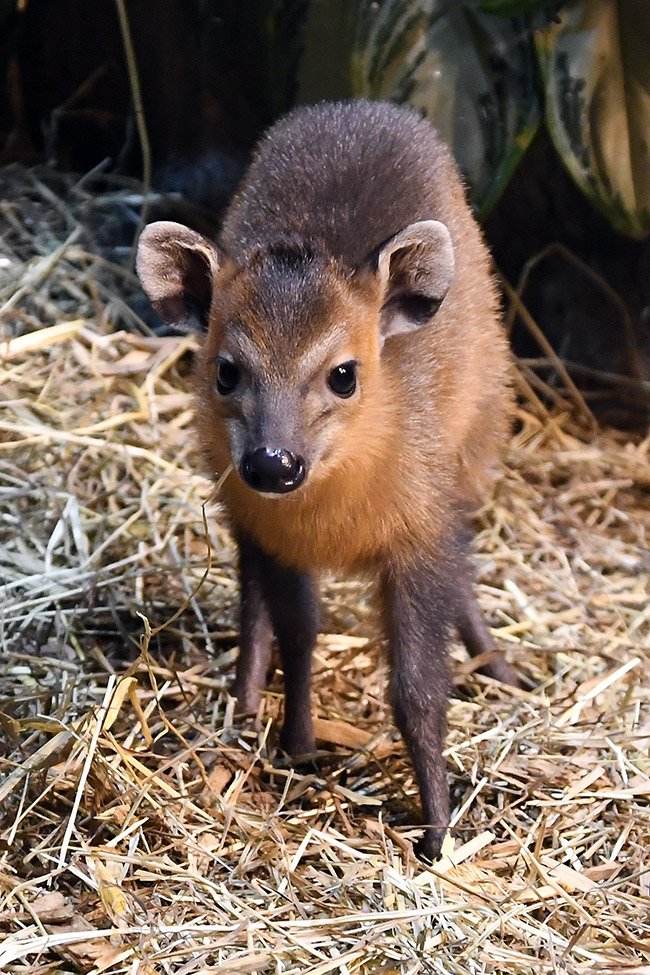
272,471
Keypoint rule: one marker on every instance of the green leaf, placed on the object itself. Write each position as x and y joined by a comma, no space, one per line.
474,75
596,67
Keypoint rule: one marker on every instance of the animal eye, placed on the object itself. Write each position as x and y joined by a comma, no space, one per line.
227,376
343,379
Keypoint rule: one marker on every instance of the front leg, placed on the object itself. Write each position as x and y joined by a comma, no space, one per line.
474,633
419,609
283,600
255,632
292,603
470,624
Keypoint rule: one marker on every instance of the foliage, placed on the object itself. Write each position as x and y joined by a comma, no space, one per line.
596,68
472,73
487,71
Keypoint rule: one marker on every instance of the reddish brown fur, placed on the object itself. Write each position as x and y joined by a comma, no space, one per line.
437,399
400,463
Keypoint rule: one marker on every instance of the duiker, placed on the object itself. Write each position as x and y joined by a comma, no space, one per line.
353,373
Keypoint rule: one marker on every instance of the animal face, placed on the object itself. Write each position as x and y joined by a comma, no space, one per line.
290,369
290,361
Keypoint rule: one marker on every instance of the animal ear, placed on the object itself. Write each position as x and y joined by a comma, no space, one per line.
176,267
415,269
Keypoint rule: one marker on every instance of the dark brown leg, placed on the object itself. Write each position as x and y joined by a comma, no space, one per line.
255,633
471,626
293,606
474,633
419,612
284,601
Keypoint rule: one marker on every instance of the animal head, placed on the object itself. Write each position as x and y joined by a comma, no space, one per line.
290,368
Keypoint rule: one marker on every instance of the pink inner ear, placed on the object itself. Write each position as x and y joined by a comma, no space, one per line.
416,267
176,266
407,314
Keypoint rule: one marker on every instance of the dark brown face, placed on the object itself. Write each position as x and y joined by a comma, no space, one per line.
291,350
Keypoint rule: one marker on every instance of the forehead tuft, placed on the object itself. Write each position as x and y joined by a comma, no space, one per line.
289,290
291,254
289,264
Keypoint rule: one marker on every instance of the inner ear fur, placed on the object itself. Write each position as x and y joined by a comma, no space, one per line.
415,269
176,266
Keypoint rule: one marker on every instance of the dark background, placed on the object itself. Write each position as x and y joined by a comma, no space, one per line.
214,74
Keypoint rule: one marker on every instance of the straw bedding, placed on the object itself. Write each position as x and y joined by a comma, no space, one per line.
145,830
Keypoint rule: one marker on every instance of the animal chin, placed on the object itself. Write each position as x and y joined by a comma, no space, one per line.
286,494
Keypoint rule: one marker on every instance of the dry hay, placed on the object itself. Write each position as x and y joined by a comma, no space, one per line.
146,831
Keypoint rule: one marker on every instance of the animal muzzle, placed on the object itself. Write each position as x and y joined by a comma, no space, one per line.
272,471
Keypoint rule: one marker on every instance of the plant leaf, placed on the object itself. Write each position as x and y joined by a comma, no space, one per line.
596,67
472,74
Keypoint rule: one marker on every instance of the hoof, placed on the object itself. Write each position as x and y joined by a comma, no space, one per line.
428,849
299,750
499,669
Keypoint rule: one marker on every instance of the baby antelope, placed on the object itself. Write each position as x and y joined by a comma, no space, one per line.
353,371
